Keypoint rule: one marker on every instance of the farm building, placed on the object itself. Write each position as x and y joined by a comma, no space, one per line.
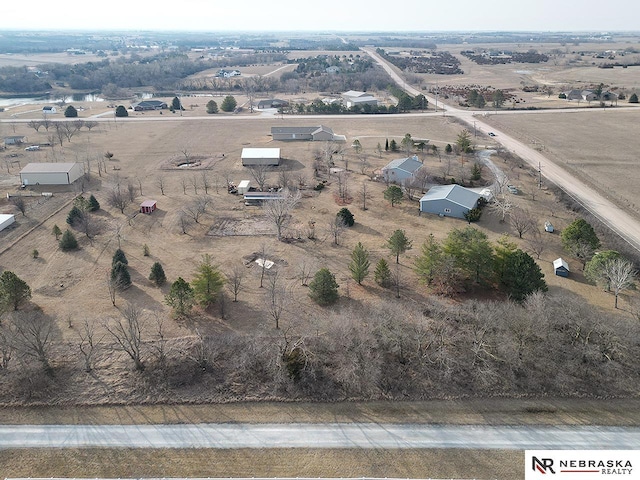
316,133
51,173
272,103
47,109
15,140
401,169
252,157
148,206
560,267
449,201
149,105
352,98
256,198
244,186
6,220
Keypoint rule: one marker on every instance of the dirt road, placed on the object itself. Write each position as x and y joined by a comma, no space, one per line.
619,221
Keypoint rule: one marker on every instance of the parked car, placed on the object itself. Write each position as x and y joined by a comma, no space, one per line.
512,189
491,134
548,227
32,148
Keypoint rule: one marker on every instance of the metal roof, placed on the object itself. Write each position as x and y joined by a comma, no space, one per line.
559,262
454,193
260,153
408,164
48,167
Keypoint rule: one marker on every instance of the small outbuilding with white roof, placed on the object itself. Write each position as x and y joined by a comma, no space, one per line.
560,267
252,157
6,220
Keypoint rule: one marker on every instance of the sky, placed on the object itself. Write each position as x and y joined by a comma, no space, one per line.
324,15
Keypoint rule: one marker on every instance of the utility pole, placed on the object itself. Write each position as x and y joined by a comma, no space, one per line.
539,176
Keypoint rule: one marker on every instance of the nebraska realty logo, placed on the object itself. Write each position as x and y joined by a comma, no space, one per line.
581,464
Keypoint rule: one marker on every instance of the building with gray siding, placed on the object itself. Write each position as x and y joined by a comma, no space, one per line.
401,169
449,201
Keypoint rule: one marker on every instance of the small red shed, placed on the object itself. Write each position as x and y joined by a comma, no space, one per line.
148,206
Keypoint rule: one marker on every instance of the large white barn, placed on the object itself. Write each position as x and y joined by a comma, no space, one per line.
51,173
6,220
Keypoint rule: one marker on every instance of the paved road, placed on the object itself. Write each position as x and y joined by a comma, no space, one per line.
626,226
330,435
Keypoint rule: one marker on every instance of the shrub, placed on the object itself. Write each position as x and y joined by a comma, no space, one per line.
472,215
323,289
346,216
121,111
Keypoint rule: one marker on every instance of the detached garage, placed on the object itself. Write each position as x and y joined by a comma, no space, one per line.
51,173
6,220
252,157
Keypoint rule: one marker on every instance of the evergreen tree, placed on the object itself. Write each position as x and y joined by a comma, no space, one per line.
157,274
56,231
212,107
580,239
120,276
13,291
398,243
121,111
94,205
119,257
448,149
68,241
75,215
382,274
176,104
180,297
71,112
359,266
633,98
323,289
386,145
428,262
229,104
522,276
393,194
207,283
346,216
472,252
393,145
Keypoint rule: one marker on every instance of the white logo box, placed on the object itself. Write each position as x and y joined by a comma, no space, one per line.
581,464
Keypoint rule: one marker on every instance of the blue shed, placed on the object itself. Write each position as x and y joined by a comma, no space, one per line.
397,171
560,267
449,200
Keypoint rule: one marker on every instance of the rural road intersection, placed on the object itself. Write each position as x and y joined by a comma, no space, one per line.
327,435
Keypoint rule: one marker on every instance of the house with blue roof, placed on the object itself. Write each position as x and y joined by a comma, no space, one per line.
449,201
401,169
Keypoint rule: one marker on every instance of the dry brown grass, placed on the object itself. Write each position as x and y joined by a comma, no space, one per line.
115,463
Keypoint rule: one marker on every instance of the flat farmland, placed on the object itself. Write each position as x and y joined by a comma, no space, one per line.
599,146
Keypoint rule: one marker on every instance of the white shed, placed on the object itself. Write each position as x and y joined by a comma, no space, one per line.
243,187
252,157
51,173
6,220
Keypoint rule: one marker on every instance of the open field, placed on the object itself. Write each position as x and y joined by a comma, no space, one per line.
599,146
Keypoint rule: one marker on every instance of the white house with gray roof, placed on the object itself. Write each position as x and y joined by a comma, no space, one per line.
449,201
401,169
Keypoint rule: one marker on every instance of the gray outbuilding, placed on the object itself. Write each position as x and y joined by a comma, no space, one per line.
449,201
561,267
252,157
401,169
51,173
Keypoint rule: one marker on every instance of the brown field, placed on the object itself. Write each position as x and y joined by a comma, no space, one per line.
599,146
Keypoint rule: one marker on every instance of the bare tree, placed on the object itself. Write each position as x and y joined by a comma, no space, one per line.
159,346
127,332
335,229
183,221
521,220
6,346
343,185
197,208
235,281
363,163
87,344
305,271
117,199
195,183
501,206
32,336
112,286
59,132
206,183
161,183
260,174
364,195
20,204
411,188
284,177
69,129
185,184
263,266
621,274
139,185
537,242
88,225
278,211
279,297
35,124
90,124
132,192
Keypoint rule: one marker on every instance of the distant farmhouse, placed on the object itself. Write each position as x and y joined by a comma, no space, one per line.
146,105
589,95
449,201
228,73
47,109
272,103
253,157
353,98
315,133
397,171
